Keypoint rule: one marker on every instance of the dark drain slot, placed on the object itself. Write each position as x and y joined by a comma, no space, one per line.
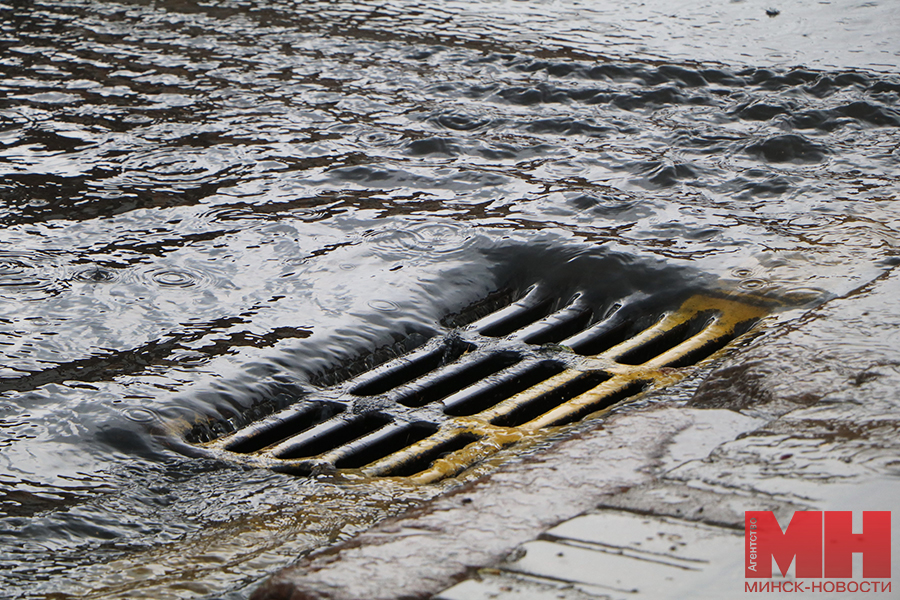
273,431
547,402
610,332
427,458
413,367
713,346
370,450
366,362
515,316
479,310
632,389
447,384
667,340
489,394
337,434
558,326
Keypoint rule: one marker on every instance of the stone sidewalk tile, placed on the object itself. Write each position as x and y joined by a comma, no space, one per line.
625,555
493,584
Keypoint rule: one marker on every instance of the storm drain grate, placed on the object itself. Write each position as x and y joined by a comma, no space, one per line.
528,364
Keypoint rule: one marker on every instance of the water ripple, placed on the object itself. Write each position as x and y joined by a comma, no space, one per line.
383,305
425,239
169,278
30,275
96,275
166,277
176,169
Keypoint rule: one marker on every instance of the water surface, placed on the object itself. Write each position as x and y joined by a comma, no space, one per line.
199,201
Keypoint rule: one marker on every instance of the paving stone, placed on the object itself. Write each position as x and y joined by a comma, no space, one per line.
509,586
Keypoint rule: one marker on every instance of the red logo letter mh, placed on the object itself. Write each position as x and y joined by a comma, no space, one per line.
803,541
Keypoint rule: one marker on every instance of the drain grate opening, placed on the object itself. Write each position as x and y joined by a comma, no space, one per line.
452,382
427,458
614,329
275,430
559,325
334,435
516,316
412,367
667,339
632,389
478,310
713,346
264,404
386,445
366,362
490,393
548,401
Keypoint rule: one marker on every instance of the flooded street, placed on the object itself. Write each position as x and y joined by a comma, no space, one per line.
203,204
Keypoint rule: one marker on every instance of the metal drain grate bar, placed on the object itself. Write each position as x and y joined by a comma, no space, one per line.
281,425
454,377
489,392
442,455
535,363
530,308
558,325
407,368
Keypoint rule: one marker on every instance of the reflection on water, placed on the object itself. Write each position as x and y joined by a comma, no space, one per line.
201,204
